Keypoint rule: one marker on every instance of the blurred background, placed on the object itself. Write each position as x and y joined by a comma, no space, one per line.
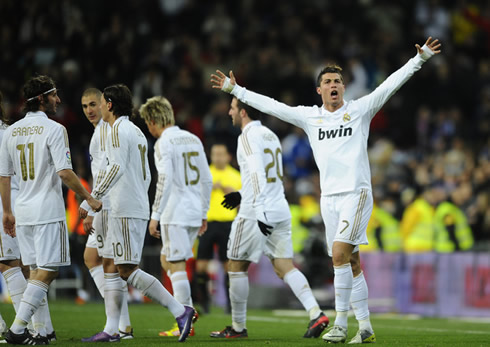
430,144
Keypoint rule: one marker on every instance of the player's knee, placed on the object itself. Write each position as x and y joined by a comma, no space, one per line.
125,270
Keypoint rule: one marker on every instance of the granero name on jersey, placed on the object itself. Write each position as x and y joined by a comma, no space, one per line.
333,133
26,131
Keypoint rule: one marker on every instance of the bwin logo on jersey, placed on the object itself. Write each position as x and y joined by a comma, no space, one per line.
333,133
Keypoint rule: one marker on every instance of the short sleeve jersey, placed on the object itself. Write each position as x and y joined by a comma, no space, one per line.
34,149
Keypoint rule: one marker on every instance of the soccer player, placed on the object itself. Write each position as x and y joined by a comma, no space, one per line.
182,195
226,179
35,149
10,264
263,224
126,181
338,133
96,226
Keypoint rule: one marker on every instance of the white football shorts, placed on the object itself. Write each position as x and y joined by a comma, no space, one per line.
177,241
44,245
346,217
126,237
247,242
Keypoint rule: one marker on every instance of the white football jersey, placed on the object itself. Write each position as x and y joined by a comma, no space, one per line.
98,156
184,180
259,155
34,149
338,139
127,176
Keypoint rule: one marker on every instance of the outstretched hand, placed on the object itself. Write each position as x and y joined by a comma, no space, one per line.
433,45
220,81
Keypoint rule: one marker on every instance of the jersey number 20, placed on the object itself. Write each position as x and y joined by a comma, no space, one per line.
276,161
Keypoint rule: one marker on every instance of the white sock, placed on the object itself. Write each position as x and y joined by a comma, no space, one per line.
343,288
113,296
16,284
153,289
33,295
124,321
300,287
41,319
359,302
238,298
3,325
97,273
182,287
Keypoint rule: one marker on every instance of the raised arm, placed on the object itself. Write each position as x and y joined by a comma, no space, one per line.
265,104
373,102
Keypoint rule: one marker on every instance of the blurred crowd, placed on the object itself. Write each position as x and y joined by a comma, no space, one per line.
431,141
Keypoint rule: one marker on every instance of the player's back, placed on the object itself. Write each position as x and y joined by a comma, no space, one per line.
37,149
188,162
129,197
266,148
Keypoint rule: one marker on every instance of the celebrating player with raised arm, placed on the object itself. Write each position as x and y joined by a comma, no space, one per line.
126,180
338,133
36,150
263,224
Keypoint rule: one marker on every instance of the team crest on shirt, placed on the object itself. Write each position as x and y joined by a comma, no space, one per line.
346,117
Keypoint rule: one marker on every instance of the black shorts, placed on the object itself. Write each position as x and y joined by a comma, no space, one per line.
217,234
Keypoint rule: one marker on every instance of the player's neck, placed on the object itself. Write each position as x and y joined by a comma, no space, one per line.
332,107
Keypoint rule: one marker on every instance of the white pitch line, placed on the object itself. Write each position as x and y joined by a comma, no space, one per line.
434,330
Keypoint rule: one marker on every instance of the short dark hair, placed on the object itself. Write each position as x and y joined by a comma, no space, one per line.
252,113
34,87
3,114
333,68
92,91
121,98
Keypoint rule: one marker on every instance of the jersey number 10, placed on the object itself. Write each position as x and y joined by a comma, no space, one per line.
23,163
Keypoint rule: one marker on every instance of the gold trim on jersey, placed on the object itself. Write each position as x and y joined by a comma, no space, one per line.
100,177
1,247
103,136
358,217
238,237
246,144
159,192
63,248
254,178
105,223
126,238
115,135
166,246
67,142
108,180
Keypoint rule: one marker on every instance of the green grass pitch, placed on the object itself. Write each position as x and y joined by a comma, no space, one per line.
265,327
